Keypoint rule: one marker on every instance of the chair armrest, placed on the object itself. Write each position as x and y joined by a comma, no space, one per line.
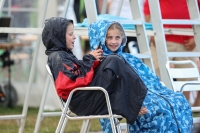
190,83
92,89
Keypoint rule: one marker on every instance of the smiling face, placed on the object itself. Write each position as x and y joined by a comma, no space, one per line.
70,37
114,38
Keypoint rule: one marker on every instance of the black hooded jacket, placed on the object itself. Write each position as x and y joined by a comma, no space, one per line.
67,70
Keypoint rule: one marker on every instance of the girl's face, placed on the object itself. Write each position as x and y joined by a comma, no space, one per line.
70,37
113,39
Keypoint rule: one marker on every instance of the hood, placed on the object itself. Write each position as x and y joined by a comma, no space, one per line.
97,33
53,34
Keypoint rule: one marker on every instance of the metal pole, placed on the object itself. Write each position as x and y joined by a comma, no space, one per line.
1,5
32,72
39,117
66,8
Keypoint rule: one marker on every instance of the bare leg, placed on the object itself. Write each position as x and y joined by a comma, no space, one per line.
187,95
143,110
197,100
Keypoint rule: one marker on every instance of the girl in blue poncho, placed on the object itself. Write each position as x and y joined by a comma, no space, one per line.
167,111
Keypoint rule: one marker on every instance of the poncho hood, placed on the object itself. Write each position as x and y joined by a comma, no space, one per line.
97,33
53,34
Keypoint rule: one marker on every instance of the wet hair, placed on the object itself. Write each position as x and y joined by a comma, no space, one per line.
70,23
118,27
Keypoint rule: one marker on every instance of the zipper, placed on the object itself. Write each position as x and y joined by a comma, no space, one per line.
170,108
156,94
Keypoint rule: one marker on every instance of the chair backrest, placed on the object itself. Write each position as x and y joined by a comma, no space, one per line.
188,77
54,87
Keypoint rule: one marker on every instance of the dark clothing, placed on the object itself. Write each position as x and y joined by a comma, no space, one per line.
126,90
126,94
69,72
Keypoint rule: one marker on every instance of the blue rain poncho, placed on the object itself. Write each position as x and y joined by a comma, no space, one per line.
168,111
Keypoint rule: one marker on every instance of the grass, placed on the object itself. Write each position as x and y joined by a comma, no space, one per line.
48,124
196,114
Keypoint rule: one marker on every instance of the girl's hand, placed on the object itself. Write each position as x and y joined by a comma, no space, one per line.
97,53
143,110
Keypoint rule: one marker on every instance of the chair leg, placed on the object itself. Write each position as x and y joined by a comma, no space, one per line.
112,124
118,125
41,109
85,126
127,129
60,124
64,125
63,119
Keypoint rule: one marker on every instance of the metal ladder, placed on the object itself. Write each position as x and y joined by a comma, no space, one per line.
160,32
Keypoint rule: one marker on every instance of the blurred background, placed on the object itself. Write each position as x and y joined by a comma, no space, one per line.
20,49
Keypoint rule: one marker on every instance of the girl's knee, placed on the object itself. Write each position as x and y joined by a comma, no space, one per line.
115,57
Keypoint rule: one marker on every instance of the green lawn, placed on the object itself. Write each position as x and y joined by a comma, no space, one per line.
48,124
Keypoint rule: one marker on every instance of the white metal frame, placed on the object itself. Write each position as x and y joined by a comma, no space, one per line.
65,116
161,49
1,5
191,73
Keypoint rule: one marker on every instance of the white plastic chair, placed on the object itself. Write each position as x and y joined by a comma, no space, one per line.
191,73
85,127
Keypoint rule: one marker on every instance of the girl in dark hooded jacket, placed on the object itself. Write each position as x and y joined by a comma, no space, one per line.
126,90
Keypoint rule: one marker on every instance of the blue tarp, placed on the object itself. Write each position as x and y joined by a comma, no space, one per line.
126,24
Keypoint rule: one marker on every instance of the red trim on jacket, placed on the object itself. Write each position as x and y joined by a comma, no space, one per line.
64,85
